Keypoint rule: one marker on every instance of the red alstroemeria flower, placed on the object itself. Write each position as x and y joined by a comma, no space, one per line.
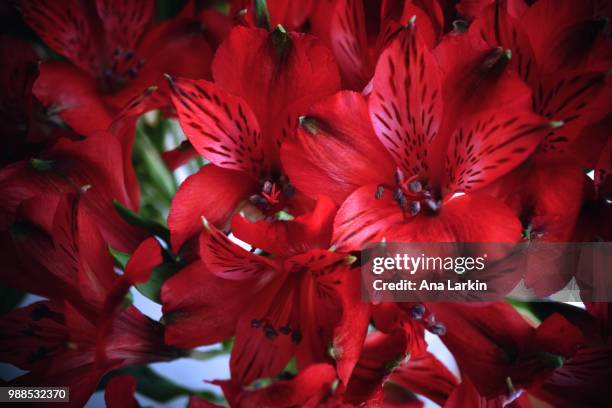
94,165
114,53
263,81
83,330
277,307
440,145
511,356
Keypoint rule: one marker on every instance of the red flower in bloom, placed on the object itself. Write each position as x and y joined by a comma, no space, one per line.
84,330
115,53
263,81
440,144
278,307
512,355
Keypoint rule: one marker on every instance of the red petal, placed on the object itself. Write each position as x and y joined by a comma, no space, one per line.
120,391
201,308
278,90
351,331
255,354
546,193
308,387
574,98
466,395
221,127
362,219
558,336
427,376
282,238
74,95
406,101
229,261
562,34
499,27
338,149
378,350
569,386
124,22
65,27
489,145
496,330
179,156
143,260
213,192
349,43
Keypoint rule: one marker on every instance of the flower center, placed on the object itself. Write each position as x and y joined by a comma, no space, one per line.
122,68
274,196
412,195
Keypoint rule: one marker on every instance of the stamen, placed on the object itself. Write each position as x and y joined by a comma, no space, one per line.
380,191
270,331
438,329
417,311
415,208
296,336
255,323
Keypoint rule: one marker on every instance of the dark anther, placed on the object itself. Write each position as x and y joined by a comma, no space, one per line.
132,72
267,187
284,330
296,336
128,55
39,312
398,195
257,200
415,208
380,191
289,191
415,186
417,311
270,331
403,203
438,329
255,323
433,205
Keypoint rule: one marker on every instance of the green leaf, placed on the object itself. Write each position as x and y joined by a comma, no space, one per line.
152,288
121,258
137,220
156,387
151,165
9,299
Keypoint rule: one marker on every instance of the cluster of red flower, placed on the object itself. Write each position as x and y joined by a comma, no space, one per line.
326,124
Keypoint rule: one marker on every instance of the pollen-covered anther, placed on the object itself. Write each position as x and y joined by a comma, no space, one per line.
417,311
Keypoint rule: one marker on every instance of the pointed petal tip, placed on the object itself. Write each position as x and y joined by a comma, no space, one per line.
350,259
556,124
206,224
